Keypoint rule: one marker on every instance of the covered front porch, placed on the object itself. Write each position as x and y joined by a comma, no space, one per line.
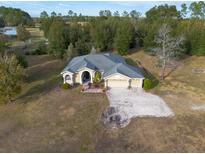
83,76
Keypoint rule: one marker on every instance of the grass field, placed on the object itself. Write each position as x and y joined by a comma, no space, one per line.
45,118
20,47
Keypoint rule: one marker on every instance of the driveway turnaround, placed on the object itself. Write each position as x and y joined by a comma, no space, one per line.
137,103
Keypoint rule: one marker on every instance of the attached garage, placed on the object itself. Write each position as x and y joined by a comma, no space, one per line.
119,80
137,82
117,83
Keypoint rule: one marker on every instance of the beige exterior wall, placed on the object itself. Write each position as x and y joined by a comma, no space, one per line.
77,76
123,81
71,78
136,83
117,80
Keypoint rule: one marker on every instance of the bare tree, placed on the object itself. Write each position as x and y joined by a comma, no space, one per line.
93,50
168,46
70,52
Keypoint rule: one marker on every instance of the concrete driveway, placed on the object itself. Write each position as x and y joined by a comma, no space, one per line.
137,103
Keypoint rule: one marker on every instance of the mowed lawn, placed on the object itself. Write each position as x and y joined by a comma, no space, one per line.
45,118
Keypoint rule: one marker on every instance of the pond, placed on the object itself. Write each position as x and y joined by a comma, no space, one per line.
8,31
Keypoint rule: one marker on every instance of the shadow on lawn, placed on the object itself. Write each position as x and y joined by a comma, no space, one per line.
42,88
145,72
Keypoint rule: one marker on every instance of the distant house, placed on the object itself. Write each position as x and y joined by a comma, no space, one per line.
113,68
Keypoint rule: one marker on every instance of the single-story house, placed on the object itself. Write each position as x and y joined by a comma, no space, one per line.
115,72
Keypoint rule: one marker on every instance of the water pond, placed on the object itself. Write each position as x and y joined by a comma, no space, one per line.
11,31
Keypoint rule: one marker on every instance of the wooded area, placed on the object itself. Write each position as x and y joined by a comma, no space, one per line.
112,31
14,17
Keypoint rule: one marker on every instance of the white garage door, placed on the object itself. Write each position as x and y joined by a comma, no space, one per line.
118,83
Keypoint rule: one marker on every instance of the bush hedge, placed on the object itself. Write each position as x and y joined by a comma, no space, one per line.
97,78
147,84
66,86
150,81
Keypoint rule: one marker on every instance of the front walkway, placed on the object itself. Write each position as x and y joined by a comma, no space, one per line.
137,103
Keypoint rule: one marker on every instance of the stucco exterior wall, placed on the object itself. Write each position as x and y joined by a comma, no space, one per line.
71,78
136,83
117,80
122,81
77,76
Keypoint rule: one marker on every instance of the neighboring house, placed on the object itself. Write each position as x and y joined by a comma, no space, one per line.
113,68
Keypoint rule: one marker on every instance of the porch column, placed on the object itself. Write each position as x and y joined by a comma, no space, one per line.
141,83
71,79
64,79
80,78
92,76
105,83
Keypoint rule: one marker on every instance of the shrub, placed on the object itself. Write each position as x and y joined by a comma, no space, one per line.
150,80
66,86
41,49
97,78
148,84
22,61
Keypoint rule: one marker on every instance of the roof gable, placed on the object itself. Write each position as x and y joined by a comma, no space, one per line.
108,63
126,70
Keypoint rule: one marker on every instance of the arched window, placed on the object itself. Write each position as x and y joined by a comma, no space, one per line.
67,77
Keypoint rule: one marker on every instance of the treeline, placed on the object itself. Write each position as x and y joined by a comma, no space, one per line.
192,28
14,17
101,33
112,31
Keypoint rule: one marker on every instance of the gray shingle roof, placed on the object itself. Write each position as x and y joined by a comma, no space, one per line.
126,70
107,63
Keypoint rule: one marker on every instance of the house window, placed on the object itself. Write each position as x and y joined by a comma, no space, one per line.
67,77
